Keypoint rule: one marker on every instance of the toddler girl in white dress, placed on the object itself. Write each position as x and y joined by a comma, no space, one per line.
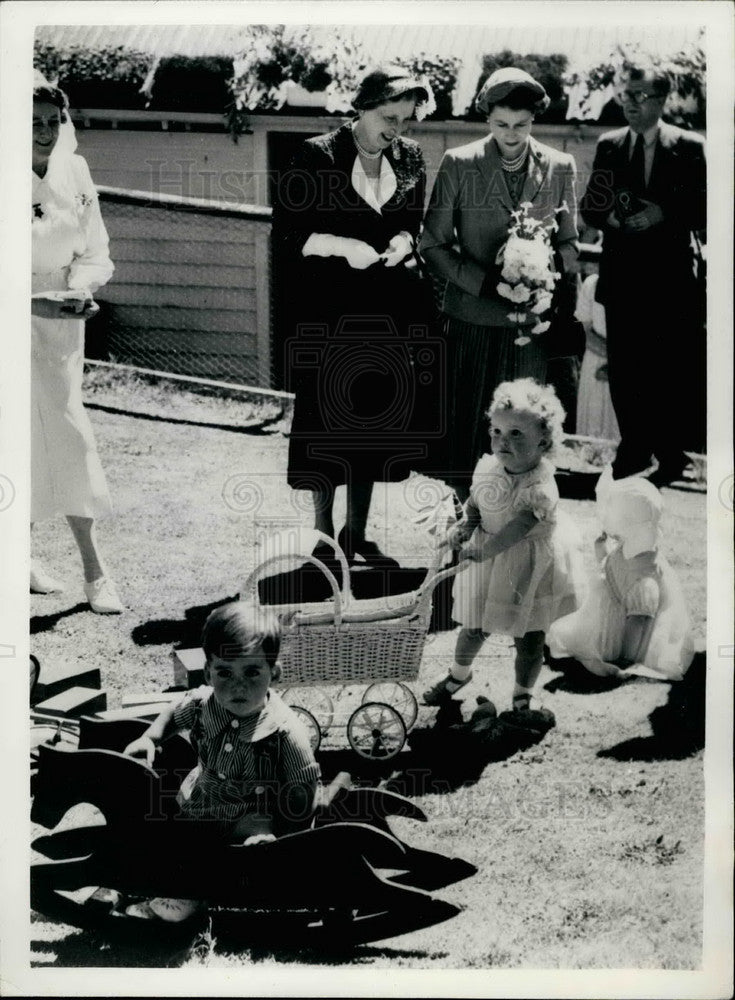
524,559
634,618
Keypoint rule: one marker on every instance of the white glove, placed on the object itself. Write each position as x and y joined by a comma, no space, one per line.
357,253
398,249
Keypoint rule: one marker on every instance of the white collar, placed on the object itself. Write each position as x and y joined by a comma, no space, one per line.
376,196
271,718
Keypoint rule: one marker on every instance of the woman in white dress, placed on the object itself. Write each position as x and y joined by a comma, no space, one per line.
70,261
595,412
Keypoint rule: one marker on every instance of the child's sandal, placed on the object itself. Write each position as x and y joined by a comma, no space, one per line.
522,702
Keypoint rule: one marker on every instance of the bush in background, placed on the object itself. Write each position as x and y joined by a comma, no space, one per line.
106,77
191,83
687,71
278,55
548,70
441,72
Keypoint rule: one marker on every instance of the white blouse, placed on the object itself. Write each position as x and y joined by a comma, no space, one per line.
375,191
67,228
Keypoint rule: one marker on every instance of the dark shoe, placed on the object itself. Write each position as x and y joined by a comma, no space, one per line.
667,472
444,690
361,552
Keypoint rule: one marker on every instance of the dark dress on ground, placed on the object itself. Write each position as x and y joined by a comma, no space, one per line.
362,353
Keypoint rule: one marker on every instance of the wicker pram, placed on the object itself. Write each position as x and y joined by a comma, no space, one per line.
343,641
346,641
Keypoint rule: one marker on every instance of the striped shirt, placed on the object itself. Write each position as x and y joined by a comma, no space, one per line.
246,765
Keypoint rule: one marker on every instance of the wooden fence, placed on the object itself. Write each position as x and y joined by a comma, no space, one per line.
191,289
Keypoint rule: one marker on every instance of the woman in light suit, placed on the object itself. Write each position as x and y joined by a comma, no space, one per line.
477,188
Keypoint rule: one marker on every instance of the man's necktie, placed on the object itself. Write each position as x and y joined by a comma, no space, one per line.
637,167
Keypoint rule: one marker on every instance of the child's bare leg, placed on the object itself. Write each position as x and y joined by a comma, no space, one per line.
529,660
469,643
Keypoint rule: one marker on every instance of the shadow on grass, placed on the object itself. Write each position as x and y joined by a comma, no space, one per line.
677,727
87,950
185,632
246,935
262,427
46,623
453,753
576,679
303,585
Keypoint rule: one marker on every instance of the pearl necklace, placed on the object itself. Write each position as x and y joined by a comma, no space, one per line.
363,152
511,166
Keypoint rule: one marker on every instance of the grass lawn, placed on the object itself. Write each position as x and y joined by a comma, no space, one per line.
589,856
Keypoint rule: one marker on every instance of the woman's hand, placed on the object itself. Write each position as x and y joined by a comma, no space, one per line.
397,250
142,747
70,305
358,254
79,308
259,838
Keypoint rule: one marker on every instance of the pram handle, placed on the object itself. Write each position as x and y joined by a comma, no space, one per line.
423,602
250,587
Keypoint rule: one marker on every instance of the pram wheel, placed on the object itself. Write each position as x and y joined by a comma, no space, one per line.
313,700
398,696
376,731
310,724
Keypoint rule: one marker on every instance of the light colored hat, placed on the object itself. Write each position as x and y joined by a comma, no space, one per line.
502,82
630,508
385,83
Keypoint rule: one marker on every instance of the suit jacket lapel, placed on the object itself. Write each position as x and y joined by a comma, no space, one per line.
663,152
538,167
492,171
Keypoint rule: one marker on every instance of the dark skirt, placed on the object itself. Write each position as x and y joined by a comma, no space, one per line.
368,368
480,358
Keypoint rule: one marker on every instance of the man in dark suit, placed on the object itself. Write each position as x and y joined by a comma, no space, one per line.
647,193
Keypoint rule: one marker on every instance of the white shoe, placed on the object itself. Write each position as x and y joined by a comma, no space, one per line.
42,583
103,597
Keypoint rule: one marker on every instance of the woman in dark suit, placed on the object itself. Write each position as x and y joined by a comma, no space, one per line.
477,188
346,220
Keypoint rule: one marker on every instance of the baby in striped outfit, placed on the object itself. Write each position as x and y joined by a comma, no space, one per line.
249,743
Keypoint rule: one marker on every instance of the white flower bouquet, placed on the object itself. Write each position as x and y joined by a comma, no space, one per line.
528,275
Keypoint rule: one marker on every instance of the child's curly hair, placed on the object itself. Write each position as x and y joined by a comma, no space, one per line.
530,396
